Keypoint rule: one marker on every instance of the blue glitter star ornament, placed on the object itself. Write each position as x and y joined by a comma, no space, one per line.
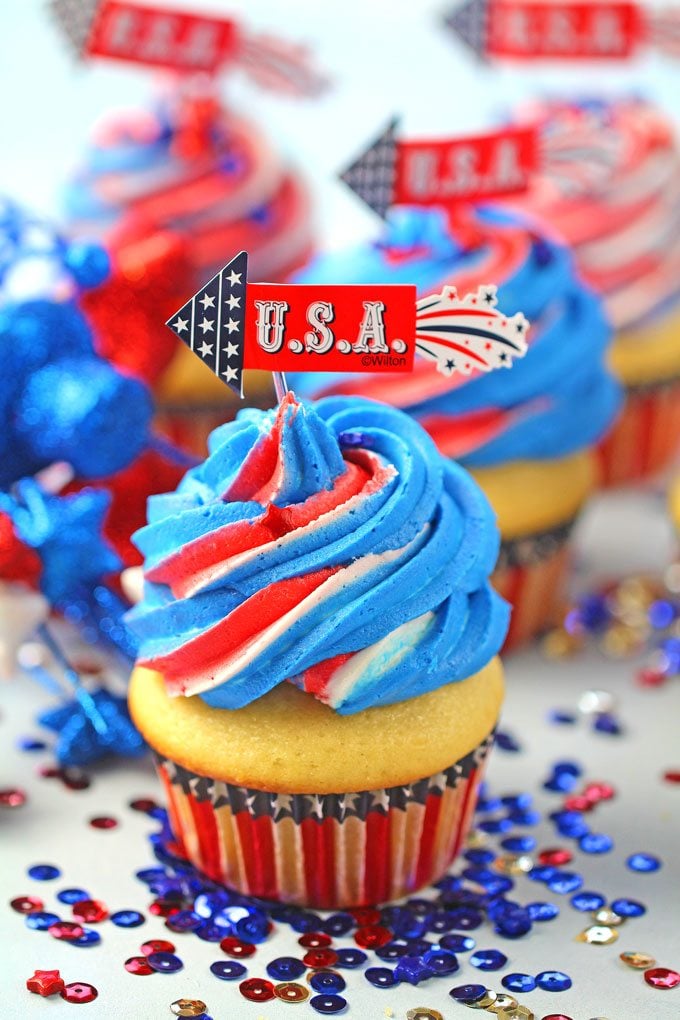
82,740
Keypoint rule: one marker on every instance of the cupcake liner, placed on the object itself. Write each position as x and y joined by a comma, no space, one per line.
324,851
532,575
646,437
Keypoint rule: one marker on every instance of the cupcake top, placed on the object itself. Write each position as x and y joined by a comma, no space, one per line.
611,187
556,400
190,166
329,545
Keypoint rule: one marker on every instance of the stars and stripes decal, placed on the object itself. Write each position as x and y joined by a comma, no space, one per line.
212,323
372,175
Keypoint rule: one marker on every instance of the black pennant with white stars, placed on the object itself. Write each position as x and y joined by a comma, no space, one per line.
212,323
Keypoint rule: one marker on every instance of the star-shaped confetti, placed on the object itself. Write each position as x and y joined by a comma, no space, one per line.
82,739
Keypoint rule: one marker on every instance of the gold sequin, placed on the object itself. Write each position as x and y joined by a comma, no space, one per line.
291,991
488,999
321,970
559,644
424,1013
516,1013
639,961
503,1001
188,1007
598,935
608,917
513,864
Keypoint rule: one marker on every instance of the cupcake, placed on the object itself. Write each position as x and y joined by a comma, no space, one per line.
611,187
527,436
317,673
191,170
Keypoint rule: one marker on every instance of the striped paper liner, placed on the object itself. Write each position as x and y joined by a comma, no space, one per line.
324,851
532,575
645,439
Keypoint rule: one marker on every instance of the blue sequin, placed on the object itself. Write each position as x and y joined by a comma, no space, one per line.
409,926
595,843
127,918
565,882
183,920
517,801
392,951
40,920
441,922
506,742
542,911
560,782
303,921
164,963
478,855
441,961
513,925
468,993
31,744
254,929
542,873
628,908
412,969
328,1003
519,844
210,932
553,981
286,968
350,958
338,924
457,943
661,614
381,977
228,970
467,919
486,805
561,718
606,723
488,959
492,826
90,937
519,982
327,981
643,862
587,901
43,872
72,895
208,904
524,817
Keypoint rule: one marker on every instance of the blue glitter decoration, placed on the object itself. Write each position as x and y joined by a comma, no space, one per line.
228,970
643,862
628,908
328,1003
127,918
488,959
542,911
88,263
40,920
553,981
90,937
327,981
519,982
413,970
457,943
565,882
43,872
164,963
81,741
72,895
441,961
468,993
587,901
380,977
595,843
286,968
350,958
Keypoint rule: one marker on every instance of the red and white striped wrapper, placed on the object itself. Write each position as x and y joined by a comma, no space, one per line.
645,439
324,851
532,576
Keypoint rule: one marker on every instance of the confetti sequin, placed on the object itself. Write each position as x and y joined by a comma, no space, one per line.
291,991
350,958
228,970
26,904
608,917
41,920
323,957
488,959
256,990
598,935
236,947
662,977
188,1007
638,961
43,872
423,1013
138,965
285,968
381,977
587,901
71,896
164,963
103,822
327,981
66,930
45,983
372,936
90,911
156,946
628,908
127,918
553,981
328,1003
12,798
79,991
643,862
468,993
314,940
519,982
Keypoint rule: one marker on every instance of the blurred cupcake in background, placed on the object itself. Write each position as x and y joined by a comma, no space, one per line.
190,173
528,436
611,188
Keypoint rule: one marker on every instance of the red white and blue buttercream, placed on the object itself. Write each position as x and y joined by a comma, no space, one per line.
326,544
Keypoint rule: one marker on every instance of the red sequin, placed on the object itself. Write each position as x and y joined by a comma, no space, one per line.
143,804
651,677
555,855
557,1016
372,936
365,916
164,908
66,930
578,803
662,977
672,776
45,982
156,946
12,798
315,940
78,991
322,957
595,792
103,822
256,990
90,911
234,947
26,904
74,779
138,965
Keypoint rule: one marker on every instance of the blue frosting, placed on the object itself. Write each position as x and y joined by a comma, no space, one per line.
428,514
565,364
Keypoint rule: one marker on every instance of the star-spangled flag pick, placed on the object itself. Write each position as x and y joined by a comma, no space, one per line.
443,172
232,324
212,323
563,29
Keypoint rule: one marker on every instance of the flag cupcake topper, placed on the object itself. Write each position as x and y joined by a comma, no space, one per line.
563,29
231,325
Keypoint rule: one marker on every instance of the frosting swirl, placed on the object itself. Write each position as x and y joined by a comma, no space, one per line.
537,409
329,545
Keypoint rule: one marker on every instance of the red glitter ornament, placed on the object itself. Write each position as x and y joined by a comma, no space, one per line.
235,947
156,946
138,965
45,982
365,916
322,957
256,990
26,904
12,798
662,977
90,911
103,822
555,855
79,991
372,936
66,930
315,940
